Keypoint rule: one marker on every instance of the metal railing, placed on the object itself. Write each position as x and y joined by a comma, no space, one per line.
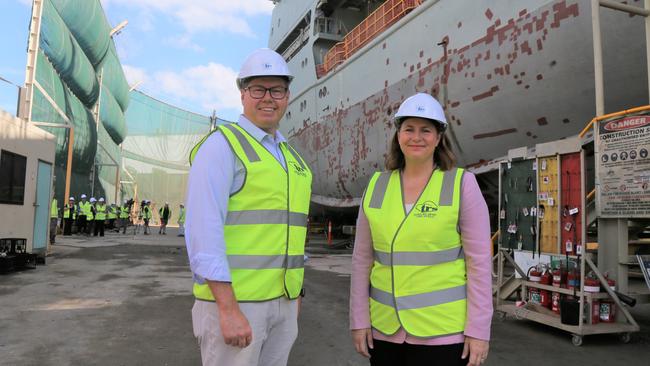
379,20
296,44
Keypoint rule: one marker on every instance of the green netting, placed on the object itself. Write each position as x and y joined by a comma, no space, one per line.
85,135
88,24
112,117
155,151
68,58
113,77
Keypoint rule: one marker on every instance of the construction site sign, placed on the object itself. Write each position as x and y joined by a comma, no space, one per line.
623,167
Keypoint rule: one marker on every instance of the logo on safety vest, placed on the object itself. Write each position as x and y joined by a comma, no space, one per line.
427,209
298,169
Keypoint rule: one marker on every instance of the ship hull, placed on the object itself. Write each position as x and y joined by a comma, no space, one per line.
510,74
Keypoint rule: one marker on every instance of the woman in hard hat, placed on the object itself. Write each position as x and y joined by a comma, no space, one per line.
421,276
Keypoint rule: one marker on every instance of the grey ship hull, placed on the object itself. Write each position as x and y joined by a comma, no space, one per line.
510,74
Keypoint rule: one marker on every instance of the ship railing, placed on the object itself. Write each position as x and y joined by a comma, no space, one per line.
379,20
296,44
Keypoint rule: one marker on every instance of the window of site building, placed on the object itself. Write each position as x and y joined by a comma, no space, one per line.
12,178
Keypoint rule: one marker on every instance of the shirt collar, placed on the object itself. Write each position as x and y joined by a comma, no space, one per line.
257,133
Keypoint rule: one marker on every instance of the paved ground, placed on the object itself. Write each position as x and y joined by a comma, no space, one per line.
126,301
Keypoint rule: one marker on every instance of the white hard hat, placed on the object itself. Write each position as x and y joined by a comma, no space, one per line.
263,62
421,105
71,198
92,199
126,201
83,196
101,199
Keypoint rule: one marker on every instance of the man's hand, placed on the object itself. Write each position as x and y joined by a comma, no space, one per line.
235,328
362,339
477,350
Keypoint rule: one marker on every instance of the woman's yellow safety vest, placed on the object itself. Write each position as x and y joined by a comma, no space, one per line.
266,223
418,279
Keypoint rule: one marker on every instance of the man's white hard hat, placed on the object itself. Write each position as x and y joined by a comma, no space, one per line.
71,198
92,199
101,199
263,62
421,105
83,196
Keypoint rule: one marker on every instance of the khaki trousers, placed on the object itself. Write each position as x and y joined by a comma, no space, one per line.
275,328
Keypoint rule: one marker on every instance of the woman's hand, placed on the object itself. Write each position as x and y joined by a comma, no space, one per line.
362,339
476,349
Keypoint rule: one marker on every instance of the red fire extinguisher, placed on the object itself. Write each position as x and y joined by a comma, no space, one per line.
534,275
608,307
545,296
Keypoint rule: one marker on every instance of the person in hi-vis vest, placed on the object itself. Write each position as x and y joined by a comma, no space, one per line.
421,284
247,204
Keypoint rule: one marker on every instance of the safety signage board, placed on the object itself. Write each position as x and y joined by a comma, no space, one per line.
623,167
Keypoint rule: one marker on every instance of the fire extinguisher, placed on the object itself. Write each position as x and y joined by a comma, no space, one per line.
545,296
593,285
534,275
607,307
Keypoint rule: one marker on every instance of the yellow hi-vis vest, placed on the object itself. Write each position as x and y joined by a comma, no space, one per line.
418,279
181,216
85,208
266,223
124,212
54,209
100,212
68,211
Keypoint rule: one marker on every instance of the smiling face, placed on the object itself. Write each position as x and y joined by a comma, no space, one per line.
265,113
418,139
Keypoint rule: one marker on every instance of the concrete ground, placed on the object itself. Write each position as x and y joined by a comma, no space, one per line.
125,300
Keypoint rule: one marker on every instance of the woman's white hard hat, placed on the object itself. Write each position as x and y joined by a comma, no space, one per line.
263,62
421,105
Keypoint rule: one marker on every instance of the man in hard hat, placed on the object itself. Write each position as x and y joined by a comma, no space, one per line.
146,216
54,219
84,212
69,211
164,213
124,217
181,220
246,226
100,217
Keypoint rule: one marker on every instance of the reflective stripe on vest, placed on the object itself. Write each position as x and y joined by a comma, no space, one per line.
266,224
418,277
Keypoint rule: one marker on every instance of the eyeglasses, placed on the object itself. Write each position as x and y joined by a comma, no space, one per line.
258,92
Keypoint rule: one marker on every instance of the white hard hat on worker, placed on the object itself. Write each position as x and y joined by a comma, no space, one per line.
421,105
263,81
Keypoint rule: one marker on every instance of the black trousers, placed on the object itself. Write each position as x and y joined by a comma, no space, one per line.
405,354
99,227
81,224
67,226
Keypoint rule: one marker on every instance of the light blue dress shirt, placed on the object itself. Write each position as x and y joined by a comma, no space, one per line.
216,173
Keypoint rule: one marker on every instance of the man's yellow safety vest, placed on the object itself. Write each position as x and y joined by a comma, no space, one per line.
418,279
266,223
54,210
100,212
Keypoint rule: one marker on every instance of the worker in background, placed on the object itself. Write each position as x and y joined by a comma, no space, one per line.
421,289
146,216
124,217
82,217
165,213
100,217
69,212
111,215
54,219
253,204
181,220
91,216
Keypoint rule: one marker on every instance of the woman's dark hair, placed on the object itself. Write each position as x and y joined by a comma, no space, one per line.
443,156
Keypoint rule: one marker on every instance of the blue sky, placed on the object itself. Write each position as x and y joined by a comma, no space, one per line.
184,52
